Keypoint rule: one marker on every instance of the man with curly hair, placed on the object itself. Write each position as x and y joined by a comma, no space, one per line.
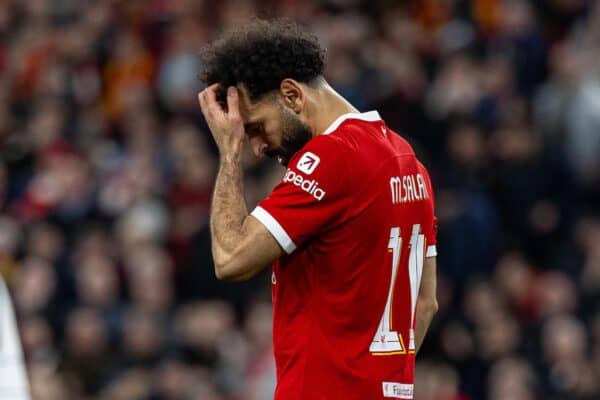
350,229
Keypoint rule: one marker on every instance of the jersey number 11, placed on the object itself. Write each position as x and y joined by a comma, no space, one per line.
386,340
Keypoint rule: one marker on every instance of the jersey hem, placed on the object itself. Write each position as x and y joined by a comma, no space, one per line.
275,228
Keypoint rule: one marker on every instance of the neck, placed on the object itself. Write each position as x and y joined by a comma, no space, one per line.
328,105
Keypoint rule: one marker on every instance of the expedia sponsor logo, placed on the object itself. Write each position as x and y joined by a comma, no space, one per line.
309,186
308,163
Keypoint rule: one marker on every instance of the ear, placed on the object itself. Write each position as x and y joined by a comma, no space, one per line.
292,94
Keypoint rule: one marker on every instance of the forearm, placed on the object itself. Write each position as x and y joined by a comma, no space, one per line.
241,245
426,309
228,211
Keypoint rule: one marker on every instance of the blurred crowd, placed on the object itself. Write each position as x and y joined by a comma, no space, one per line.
107,168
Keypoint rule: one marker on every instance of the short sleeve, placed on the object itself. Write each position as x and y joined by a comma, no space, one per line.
430,228
312,197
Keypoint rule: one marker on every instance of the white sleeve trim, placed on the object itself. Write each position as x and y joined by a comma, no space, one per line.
284,240
431,251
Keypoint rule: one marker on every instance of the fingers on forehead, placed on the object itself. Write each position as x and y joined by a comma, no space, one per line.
202,100
211,92
233,101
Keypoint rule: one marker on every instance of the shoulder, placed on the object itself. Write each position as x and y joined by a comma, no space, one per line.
329,142
402,145
323,152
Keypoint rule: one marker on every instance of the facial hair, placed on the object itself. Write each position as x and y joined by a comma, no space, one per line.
295,134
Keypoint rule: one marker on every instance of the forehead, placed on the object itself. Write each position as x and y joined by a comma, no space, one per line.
254,110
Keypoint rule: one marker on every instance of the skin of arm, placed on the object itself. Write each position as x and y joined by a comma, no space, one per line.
241,245
427,304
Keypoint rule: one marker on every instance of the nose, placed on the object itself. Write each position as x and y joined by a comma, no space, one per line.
259,146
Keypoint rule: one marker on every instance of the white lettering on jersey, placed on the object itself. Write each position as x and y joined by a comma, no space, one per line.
309,186
408,188
308,163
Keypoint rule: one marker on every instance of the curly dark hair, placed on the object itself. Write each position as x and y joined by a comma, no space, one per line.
261,54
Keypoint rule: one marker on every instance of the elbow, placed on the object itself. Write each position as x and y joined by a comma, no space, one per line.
433,306
222,266
222,263
219,272
229,270
429,306
236,266
223,271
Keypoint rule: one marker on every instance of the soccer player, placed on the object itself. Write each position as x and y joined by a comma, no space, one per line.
350,230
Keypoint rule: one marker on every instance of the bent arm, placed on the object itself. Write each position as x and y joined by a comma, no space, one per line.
426,302
241,245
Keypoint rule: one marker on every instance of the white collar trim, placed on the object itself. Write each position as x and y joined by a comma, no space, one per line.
370,116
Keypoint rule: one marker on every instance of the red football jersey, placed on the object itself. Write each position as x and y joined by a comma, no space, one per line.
354,213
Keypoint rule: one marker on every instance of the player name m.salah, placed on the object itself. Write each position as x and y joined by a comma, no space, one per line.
408,188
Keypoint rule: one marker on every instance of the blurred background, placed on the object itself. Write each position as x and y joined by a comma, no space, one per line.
107,169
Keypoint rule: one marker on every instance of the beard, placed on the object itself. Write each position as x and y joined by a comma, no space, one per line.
295,134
